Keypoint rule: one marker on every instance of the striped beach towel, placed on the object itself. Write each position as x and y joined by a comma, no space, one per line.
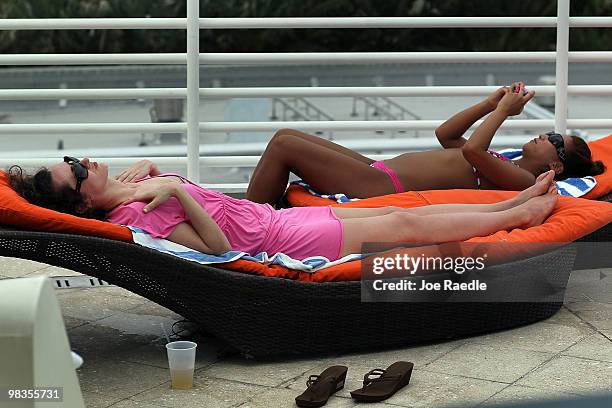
572,187
311,264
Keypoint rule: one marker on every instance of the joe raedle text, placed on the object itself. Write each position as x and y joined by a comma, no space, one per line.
424,286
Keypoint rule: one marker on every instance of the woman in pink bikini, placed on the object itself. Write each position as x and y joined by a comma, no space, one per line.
330,168
170,206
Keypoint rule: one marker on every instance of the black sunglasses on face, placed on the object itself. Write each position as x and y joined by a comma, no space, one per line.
80,172
557,140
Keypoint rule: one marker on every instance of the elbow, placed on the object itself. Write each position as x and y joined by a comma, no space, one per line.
441,138
221,248
468,151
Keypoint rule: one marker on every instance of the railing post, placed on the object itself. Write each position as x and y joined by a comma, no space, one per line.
561,69
193,90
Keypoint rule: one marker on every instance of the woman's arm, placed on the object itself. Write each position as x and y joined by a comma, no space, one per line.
185,235
201,232
450,133
501,173
207,229
138,170
512,103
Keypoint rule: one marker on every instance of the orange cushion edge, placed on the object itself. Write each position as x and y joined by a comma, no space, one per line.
15,211
601,149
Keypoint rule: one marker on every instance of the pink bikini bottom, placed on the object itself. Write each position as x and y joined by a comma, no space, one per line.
397,185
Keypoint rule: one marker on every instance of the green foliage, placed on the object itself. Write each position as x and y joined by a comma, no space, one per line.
297,40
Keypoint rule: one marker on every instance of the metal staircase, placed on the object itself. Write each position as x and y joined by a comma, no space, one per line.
299,109
383,108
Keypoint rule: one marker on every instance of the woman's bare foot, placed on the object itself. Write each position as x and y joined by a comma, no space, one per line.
541,186
537,209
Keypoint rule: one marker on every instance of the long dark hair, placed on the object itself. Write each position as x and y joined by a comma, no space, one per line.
579,162
38,190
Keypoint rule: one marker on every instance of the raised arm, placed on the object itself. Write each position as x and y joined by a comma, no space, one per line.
502,173
450,133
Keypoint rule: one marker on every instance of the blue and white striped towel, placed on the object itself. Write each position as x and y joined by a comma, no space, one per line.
573,187
339,198
311,264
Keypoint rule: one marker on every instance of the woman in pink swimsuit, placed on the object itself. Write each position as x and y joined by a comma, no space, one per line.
170,206
330,168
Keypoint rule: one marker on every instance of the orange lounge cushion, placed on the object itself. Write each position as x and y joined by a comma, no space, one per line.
602,150
15,211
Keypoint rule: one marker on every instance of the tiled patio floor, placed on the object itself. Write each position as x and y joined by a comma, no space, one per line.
119,336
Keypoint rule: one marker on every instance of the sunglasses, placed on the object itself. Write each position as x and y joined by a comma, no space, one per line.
80,172
557,140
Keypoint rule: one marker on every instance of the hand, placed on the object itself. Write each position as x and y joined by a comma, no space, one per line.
155,194
493,99
137,171
513,103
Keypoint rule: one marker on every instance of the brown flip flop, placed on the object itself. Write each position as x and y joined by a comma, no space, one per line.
322,386
388,382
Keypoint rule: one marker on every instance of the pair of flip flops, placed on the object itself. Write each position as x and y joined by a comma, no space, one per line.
378,384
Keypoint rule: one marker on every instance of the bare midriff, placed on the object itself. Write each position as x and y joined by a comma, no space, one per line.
435,169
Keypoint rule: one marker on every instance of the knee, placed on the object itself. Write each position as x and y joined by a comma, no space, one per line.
404,219
393,209
281,134
283,141
412,226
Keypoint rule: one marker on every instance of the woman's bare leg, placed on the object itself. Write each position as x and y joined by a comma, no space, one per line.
323,168
281,133
327,143
346,213
406,227
542,186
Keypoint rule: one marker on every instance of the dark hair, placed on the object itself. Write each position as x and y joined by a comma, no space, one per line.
38,190
579,162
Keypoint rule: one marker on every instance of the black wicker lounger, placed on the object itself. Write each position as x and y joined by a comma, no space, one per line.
263,316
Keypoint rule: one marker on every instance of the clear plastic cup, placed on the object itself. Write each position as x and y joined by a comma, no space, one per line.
181,360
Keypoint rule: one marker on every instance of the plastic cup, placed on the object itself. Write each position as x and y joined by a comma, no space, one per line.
181,360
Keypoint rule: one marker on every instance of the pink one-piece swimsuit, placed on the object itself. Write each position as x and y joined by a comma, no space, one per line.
299,232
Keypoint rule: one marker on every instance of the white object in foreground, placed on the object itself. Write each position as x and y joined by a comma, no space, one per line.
34,349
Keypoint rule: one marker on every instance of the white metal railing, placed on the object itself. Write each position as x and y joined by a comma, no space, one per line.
252,149
257,92
301,22
192,58
303,58
193,87
337,125
561,66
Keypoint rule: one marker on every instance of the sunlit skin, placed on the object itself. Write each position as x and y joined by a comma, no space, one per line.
541,150
448,168
98,190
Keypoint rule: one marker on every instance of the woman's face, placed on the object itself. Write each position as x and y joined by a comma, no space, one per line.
542,150
93,186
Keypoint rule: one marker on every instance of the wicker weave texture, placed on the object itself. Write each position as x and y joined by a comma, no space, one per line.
263,316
